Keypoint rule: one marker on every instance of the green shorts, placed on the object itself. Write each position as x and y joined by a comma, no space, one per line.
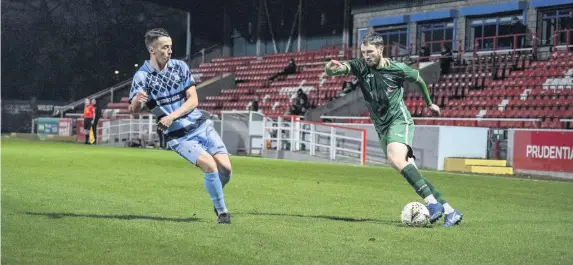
400,131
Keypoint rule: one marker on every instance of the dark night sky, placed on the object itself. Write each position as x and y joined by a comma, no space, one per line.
68,49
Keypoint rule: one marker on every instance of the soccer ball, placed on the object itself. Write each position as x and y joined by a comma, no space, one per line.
415,214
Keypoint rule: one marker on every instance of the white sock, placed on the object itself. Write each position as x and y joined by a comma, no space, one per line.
430,199
448,208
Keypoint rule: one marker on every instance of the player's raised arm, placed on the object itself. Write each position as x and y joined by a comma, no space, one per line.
413,75
190,104
335,67
137,95
191,101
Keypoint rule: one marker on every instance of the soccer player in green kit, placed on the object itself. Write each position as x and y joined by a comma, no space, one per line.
381,83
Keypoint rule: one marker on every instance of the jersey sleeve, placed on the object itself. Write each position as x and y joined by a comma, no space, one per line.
357,66
187,79
410,74
413,75
137,84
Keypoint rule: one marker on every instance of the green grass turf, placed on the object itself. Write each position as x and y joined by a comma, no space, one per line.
76,204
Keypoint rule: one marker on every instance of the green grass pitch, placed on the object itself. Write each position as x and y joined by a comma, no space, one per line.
76,204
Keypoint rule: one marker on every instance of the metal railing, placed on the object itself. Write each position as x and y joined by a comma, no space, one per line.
516,42
205,55
333,142
123,128
60,110
557,41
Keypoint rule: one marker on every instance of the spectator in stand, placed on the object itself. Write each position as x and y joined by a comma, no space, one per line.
97,116
446,60
301,103
348,87
289,69
517,27
325,120
88,118
568,24
424,54
255,104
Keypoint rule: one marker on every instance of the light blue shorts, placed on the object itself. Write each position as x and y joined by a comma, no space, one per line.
204,138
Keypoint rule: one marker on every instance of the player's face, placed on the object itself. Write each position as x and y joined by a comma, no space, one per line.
372,54
162,49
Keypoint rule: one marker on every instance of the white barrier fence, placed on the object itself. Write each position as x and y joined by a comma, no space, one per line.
125,128
323,140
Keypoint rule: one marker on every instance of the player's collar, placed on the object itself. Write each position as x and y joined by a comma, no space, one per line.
152,69
388,63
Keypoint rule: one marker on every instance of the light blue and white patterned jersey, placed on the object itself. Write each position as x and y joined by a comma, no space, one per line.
166,91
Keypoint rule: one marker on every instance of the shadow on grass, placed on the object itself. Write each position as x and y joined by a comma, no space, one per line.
120,217
326,217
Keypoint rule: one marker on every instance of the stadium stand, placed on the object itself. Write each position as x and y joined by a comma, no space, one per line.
252,79
496,81
502,87
505,87
487,86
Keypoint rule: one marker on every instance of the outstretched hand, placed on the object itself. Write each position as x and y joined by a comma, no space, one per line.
435,109
334,65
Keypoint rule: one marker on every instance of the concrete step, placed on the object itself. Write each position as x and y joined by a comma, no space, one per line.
491,170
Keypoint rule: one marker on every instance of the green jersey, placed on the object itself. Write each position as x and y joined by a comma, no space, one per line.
383,90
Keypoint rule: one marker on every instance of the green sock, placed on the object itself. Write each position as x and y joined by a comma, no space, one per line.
412,175
436,193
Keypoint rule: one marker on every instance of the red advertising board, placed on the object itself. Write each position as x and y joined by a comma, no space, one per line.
65,127
543,150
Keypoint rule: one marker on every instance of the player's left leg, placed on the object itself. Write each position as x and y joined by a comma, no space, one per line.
193,149
225,168
214,145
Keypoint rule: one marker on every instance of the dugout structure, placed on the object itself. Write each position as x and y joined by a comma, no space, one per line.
241,132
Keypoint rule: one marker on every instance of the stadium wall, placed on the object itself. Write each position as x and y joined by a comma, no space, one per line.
17,115
243,47
411,14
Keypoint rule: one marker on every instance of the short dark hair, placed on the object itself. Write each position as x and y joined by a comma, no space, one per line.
373,38
153,34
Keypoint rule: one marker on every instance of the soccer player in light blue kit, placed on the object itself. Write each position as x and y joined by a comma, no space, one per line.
166,88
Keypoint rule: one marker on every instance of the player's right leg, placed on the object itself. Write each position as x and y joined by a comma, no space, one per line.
398,138
453,217
397,158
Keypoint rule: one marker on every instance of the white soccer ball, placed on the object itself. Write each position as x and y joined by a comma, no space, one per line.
415,214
